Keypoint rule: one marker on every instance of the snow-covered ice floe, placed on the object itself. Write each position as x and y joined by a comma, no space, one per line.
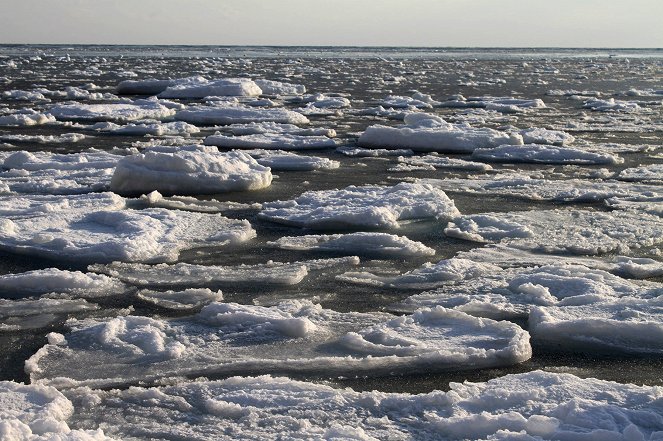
295,336
499,104
186,274
362,206
652,173
187,299
511,293
529,406
155,129
430,133
117,112
257,128
53,280
358,152
568,190
559,231
98,228
188,170
234,113
374,244
537,135
434,162
544,154
284,141
18,315
279,160
31,118
611,105
199,87
629,325
54,173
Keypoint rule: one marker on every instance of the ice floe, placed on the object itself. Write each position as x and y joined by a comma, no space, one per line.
26,119
53,280
611,105
559,231
270,87
647,173
199,87
118,112
374,244
17,315
154,129
430,133
284,141
186,274
44,139
546,154
362,206
296,336
627,324
434,162
95,228
279,160
537,135
257,128
188,170
234,113
187,299
357,152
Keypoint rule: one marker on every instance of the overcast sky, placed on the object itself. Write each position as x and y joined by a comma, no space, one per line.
523,23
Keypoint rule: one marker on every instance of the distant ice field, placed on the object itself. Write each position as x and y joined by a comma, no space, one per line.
397,219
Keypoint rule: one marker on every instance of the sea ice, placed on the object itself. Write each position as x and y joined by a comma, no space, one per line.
270,87
188,170
366,206
374,244
279,160
560,231
233,113
18,315
611,105
546,154
296,336
429,133
647,173
255,128
118,112
187,299
186,274
284,141
26,119
199,87
434,162
538,135
176,128
53,280
94,228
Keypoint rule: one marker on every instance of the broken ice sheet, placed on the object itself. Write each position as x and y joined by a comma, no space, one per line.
561,231
187,299
529,406
94,228
18,315
295,336
362,206
54,280
374,244
185,274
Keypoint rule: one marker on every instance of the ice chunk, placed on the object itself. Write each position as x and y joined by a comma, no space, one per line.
92,228
154,129
232,113
199,87
433,162
367,206
76,283
568,190
254,128
190,298
284,141
118,112
374,244
537,135
188,170
296,336
429,133
270,87
279,160
16,315
26,119
184,274
143,87
627,325
428,276
44,139
23,95
647,173
511,293
611,105
546,154
559,231
529,406
35,412
356,152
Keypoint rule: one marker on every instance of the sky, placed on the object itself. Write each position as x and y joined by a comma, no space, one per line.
440,23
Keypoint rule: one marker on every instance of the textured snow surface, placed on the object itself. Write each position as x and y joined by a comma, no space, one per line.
561,231
432,162
95,228
296,336
367,206
154,129
233,113
26,119
118,112
429,133
272,273
279,160
648,173
374,244
188,170
530,406
198,87
190,298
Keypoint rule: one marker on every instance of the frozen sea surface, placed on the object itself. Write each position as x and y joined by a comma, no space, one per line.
393,220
